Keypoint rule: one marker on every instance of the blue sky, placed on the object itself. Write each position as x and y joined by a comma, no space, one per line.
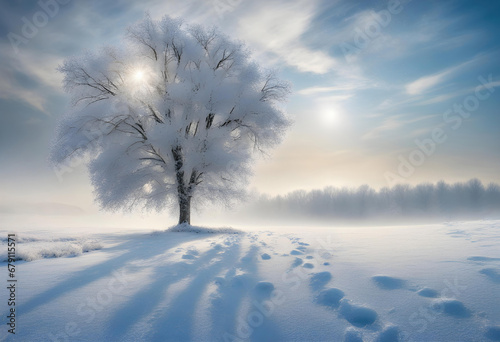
370,78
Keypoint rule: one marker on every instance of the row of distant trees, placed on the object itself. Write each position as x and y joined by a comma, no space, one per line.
471,199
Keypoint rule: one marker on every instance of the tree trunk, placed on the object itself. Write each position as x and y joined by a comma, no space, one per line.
182,191
184,209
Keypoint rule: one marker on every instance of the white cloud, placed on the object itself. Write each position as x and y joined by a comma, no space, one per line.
277,28
272,30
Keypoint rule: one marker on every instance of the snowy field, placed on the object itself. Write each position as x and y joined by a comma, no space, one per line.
414,283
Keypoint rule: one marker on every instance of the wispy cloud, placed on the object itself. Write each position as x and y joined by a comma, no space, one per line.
29,76
393,123
30,97
422,84
278,28
323,90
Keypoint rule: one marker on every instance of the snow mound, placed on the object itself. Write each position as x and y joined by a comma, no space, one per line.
186,228
30,248
330,297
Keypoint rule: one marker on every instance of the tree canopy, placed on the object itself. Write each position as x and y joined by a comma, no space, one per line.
174,112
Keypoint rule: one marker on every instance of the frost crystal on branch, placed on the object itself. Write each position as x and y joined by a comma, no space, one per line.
174,113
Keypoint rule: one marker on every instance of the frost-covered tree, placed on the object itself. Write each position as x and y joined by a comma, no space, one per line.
174,114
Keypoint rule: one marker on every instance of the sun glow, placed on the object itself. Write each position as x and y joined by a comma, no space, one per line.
330,116
139,75
139,80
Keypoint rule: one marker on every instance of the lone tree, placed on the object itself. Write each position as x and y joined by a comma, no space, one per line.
173,114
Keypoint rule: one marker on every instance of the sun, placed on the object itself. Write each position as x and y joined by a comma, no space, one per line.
330,116
138,75
139,79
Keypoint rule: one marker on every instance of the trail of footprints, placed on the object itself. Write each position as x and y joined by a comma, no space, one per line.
360,316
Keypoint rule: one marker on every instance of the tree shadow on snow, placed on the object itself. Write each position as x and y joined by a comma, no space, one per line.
240,283
175,323
232,288
132,249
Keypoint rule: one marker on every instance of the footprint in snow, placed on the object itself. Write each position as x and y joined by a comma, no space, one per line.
319,280
246,260
492,273
190,254
352,335
296,252
309,257
263,289
427,292
265,256
388,283
240,281
390,334
357,315
297,262
220,281
451,307
308,265
493,333
482,259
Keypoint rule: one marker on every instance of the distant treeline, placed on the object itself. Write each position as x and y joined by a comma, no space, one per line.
471,199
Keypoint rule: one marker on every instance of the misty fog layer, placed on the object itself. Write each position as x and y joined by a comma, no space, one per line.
469,200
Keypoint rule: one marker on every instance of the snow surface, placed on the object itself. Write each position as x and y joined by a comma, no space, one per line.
385,284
